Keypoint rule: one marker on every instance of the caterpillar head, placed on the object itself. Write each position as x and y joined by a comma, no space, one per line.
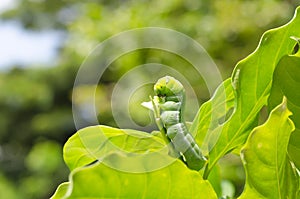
169,88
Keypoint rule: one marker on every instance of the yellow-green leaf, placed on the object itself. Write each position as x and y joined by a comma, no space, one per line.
95,142
269,172
100,181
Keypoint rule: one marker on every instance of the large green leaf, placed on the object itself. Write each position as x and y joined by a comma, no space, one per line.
100,181
287,82
95,142
212,114
269,173
252,80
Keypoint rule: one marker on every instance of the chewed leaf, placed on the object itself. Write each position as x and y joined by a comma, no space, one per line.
269,173
296,47
252,80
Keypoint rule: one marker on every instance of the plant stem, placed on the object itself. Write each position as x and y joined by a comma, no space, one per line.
206,172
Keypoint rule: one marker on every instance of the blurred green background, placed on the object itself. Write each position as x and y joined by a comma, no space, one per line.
35,99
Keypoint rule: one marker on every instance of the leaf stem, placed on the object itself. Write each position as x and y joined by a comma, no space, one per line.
206,172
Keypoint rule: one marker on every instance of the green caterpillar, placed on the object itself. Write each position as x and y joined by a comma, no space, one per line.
168,105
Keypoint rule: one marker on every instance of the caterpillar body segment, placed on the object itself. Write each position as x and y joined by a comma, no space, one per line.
169,104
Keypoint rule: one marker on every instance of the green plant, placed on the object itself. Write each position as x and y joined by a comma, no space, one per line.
270,152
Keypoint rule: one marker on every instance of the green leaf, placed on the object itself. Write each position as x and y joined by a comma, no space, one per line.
95,142
212,114
269,173
173,182
287,82
252,82
61,191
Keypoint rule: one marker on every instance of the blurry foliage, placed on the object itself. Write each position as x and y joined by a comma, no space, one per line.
35,104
